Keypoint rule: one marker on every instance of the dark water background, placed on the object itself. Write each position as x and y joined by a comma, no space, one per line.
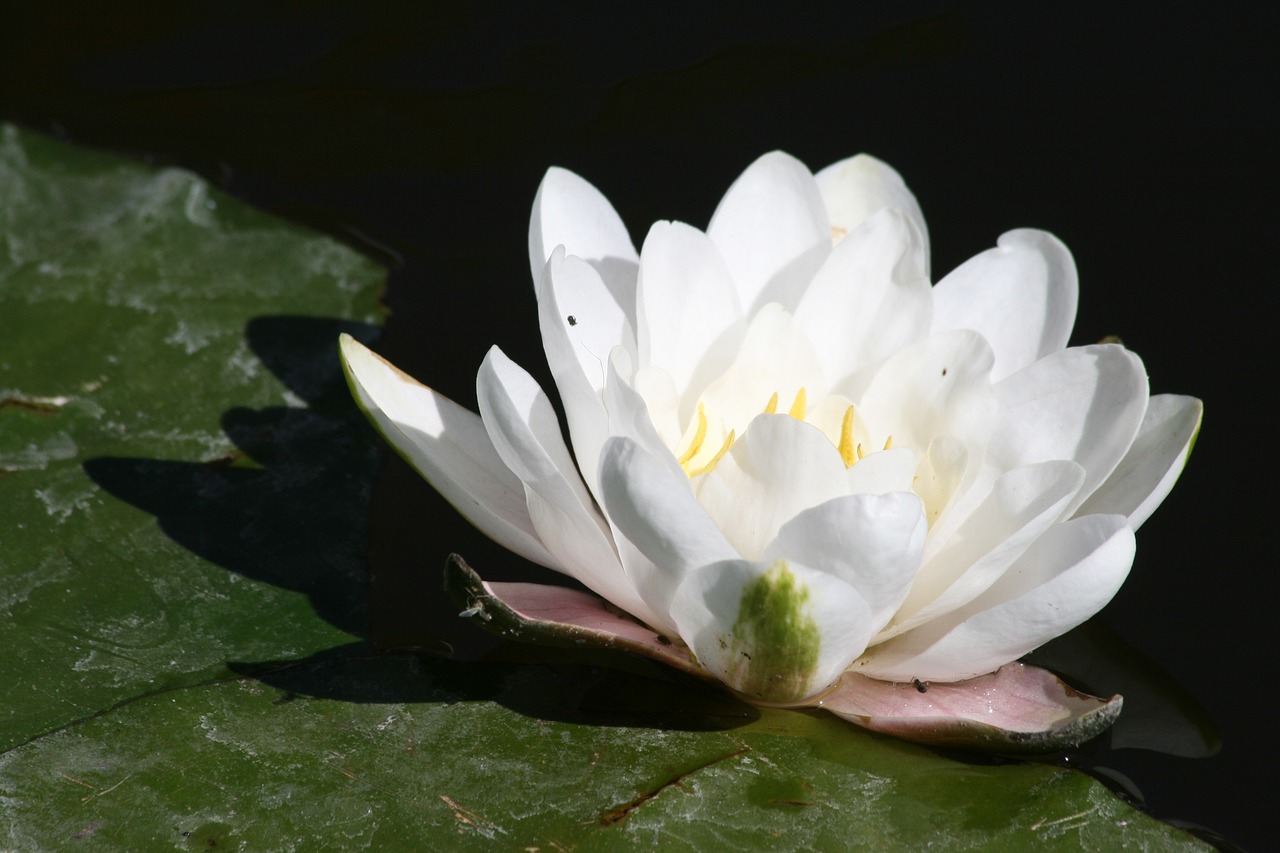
1144,138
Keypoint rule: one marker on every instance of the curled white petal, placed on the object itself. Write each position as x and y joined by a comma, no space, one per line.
1021,296
1084,404
771,227
857,187
872,542
1155,459
526,434
449,446
1068,575
871,297
688,306
568,211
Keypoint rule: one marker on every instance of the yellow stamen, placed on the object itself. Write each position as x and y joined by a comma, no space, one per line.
861,453
846,439
888,443
699,435
797,408
728,442
772,405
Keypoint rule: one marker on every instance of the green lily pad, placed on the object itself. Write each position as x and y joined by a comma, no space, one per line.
183,487
350,752
182,480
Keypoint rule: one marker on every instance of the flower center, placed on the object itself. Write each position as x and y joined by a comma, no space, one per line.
697,457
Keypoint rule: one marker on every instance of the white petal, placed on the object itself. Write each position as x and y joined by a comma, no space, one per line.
655,509
628,414
1020,296
938,386
577,349
1068,575
1083,404
871,297
771,226
859,186
777,469
690,319
943,468
883,471
628,417
872,542
526,434
1022,505
568,211
776,632
775,357
1148,471
448,445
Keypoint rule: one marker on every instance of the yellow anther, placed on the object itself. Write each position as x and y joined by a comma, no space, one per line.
797,407
847,452
772,405
728,442
888,443
699,435
861,453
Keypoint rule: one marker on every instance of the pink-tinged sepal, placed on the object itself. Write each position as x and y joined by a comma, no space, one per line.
558,616
1017,708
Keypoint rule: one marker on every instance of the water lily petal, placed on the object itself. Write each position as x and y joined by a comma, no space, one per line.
1017,708
944,465
1085,404
1068,575
883,471
857,187
557,616
628,414
448,445
568,211
937,386
1021,296
526,434
777,632
780,467
871,297
1021,506
690,318
872,542
654,507
580,326
771,227
775,357
1148,471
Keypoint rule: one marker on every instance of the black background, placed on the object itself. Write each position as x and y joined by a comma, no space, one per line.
1142,137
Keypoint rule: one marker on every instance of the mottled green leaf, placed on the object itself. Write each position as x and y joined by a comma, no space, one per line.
358,753
182,480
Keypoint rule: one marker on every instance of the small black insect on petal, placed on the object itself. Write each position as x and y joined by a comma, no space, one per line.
922,686
573,321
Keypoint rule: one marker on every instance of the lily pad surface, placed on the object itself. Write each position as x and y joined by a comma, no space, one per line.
183,491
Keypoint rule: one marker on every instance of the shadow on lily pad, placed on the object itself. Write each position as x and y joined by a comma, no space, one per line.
287,506
586,688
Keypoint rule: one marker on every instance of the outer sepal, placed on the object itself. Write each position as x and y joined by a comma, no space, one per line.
1017,708
558,616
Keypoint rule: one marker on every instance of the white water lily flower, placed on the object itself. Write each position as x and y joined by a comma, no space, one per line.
804,470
